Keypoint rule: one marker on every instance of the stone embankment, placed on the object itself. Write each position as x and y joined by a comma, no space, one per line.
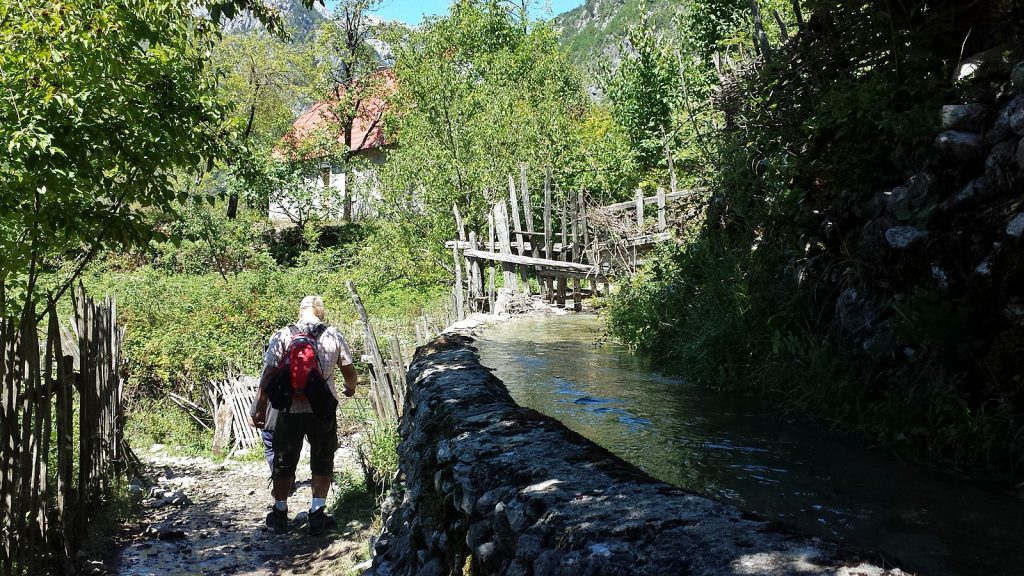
494,488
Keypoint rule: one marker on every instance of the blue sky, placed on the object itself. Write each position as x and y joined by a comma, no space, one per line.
412,11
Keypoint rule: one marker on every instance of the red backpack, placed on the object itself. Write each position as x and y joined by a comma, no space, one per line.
301,361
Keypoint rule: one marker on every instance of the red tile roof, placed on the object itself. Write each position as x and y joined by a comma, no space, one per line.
367,127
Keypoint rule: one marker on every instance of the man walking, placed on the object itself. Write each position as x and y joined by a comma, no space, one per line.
306,416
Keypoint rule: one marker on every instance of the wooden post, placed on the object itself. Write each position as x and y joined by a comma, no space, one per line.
528,213
577,298
382,386
501,226
639,209
460,311
523,271
661,210
490,267
548,285
605,268
564,256
476,286
465,261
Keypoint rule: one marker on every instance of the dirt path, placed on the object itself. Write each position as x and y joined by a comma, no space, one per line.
205,517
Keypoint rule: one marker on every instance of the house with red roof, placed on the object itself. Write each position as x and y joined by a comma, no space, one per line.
349,186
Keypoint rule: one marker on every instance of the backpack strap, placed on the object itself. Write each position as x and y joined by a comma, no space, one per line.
318,331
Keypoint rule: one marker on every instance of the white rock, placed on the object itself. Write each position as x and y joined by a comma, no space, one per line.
969,117
1016,226
901,237
156,448
958,143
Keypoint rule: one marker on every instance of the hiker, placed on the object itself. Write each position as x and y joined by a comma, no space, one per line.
298,381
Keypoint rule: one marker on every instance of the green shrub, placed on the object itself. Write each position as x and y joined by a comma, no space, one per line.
162,422
378,454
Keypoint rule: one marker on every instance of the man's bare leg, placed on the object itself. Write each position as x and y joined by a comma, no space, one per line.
283,487
321,486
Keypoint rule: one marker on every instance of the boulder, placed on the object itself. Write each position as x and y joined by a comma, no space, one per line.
1016,226
970,194
904,201
1020,154
1014,112
967,117
902,237
959,144
1001,167
1017,77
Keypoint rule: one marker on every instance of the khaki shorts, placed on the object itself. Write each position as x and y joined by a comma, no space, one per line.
322,436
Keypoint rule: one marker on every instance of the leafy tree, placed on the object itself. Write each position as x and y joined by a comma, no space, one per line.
642,92
265,80
478,93
106,110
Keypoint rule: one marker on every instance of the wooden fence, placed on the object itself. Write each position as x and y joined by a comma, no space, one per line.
61,425
591,244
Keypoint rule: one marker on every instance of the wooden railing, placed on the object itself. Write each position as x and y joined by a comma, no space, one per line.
61,426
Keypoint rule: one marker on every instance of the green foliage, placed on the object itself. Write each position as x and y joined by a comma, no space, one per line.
478,93
160,421
642,91
379,455
797,142
105,107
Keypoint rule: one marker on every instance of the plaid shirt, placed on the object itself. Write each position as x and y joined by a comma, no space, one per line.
332,352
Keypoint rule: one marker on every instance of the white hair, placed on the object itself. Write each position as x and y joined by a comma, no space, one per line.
315,303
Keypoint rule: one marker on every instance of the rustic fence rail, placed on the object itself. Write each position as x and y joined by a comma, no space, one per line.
61,423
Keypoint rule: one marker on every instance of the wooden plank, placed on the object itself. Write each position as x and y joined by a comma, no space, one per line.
575,255
650,200
547,285
458,223
370,343
524,274
501,227
401,385
490,269
661,210
530,261
527,211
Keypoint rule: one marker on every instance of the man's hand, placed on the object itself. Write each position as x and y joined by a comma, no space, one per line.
258,418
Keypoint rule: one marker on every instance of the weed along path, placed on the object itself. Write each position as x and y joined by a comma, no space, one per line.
206,517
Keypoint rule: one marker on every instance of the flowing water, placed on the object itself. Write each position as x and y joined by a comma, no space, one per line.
749,454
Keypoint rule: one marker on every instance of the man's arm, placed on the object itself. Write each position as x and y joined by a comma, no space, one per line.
351,379
258,411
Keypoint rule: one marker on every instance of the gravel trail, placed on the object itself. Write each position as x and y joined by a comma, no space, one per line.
206,517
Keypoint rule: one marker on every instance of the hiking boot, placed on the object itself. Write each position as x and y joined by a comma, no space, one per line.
277,521
320,522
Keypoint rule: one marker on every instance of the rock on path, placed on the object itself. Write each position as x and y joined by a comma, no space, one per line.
205,517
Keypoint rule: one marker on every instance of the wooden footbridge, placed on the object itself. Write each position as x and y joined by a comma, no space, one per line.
587,244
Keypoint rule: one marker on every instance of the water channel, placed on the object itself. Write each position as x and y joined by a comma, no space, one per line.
741,451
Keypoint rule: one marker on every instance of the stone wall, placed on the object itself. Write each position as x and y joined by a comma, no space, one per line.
493,488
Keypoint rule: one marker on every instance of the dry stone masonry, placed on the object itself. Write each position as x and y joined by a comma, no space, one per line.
493,488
